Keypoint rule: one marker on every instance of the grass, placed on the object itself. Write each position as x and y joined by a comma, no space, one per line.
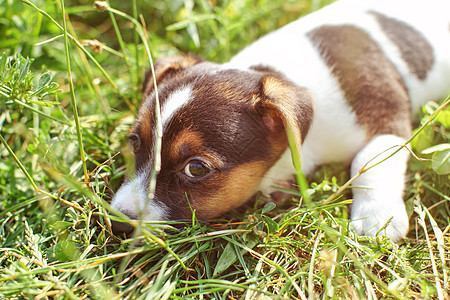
64,117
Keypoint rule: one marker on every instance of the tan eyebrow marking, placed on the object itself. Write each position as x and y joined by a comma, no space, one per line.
186,137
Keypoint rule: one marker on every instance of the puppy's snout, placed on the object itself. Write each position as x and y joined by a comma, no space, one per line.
121,228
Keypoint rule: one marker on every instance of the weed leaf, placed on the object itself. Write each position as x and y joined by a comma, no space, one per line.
43,80
437,148
66,251
227,258
444,118
441,162
268,207
272,226
229,255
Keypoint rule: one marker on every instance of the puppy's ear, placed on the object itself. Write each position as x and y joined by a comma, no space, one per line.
167,67
286,107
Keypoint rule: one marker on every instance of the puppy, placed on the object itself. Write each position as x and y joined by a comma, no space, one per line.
343,82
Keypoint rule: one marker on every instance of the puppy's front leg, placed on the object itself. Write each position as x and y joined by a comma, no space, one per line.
378,192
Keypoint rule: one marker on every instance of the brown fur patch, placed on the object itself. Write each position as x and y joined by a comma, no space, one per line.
414,48
371,83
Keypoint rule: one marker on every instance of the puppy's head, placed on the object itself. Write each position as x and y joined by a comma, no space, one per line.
222,130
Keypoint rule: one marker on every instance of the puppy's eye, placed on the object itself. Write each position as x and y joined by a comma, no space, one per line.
135,141
196,169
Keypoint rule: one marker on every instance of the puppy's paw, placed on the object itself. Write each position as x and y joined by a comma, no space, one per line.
370,218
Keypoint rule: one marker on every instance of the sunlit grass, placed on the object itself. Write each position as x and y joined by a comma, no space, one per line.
55,236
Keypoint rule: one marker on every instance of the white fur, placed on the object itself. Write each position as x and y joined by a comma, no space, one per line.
173,103
378,193
282,171
335,134
289,51
132,200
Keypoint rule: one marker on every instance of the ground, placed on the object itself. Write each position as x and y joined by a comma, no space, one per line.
69,88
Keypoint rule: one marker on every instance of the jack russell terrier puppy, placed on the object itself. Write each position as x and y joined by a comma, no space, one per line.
343,81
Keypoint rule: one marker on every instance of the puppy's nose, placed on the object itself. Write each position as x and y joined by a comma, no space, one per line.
121,229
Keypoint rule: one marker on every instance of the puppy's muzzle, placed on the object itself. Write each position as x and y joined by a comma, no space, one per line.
121,228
